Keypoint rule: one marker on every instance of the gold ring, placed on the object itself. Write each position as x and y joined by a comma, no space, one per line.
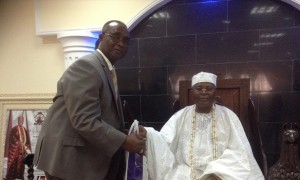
141,151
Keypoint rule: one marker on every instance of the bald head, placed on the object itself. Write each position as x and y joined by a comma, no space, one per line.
114,40
112,24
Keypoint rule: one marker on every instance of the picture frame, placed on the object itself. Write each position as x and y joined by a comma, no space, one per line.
14,104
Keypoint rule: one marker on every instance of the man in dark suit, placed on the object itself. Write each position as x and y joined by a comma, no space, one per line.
82,137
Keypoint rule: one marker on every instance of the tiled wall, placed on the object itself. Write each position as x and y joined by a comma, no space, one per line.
256,39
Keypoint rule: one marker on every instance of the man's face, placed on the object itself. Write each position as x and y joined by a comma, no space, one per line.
114,42
20,120
204,96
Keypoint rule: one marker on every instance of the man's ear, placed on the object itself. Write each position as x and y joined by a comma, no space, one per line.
101,36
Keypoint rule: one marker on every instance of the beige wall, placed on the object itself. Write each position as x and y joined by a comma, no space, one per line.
33,64
28,64
84,14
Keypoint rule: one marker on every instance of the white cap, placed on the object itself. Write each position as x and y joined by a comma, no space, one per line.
204,77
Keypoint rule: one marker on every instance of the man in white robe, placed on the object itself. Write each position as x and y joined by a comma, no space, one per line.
204,141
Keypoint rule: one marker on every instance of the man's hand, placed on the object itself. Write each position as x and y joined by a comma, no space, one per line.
143,131
134,143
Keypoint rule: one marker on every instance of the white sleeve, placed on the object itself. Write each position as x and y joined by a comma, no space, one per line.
160,159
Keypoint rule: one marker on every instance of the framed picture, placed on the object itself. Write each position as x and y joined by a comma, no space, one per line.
21,118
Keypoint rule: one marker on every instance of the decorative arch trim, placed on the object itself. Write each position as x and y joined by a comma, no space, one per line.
153,6
295,3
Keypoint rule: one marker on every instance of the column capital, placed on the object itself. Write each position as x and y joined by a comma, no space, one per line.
76,44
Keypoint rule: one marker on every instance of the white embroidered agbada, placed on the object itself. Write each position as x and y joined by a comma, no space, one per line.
168,154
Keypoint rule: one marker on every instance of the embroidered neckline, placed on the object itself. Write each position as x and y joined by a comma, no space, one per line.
193,132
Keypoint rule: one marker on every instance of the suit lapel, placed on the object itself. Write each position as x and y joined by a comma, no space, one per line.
111,84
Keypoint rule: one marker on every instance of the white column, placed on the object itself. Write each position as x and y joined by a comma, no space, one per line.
76,44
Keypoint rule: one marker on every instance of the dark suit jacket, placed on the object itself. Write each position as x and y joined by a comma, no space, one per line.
83,130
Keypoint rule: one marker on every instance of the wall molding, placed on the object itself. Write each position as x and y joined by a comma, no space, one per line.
131,23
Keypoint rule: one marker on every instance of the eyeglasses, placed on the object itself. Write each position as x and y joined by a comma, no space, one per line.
206,89
117,38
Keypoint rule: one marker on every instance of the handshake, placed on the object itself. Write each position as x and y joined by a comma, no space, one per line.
135,142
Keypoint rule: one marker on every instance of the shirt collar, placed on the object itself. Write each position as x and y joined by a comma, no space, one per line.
110,66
